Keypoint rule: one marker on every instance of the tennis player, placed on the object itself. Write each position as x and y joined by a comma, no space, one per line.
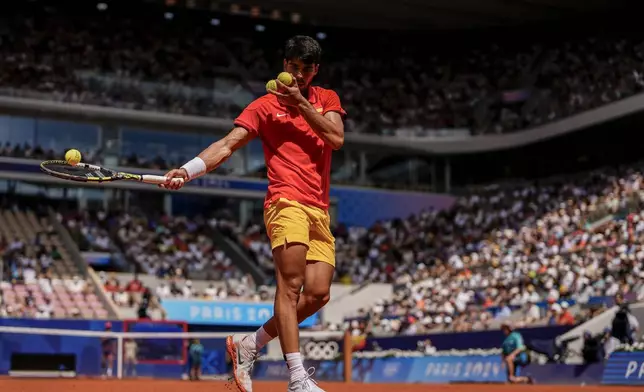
299,127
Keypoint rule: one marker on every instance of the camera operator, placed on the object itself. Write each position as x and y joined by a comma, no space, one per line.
142,311
625,326
593,350
426,347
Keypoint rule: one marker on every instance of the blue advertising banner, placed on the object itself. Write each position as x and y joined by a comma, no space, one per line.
431,370
475,368
97,258
245,314
561,374
435,370
624,368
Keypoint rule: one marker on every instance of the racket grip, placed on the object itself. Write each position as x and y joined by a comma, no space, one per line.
157,180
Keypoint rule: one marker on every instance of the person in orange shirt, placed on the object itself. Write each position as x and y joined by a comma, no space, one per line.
565,317
299,127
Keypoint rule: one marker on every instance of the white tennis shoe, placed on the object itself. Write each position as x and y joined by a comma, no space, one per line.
306,384
243,362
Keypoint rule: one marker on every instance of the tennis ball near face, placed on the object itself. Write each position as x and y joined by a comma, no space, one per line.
285,78
271,85
73,156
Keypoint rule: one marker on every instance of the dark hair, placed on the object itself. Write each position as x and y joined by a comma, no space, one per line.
304,48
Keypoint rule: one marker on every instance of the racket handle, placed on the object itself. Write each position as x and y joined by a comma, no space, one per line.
157,180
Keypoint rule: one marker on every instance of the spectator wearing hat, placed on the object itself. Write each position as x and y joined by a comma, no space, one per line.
565,317
553,314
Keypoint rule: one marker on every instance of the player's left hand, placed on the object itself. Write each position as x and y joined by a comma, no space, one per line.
288,96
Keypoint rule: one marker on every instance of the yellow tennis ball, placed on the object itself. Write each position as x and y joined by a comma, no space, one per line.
73,156
271,85
285,78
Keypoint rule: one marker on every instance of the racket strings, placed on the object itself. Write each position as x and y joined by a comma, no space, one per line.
79,170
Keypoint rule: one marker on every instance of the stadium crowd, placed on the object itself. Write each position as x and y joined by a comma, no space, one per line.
543,244
165,247
36,283
131,60
497,251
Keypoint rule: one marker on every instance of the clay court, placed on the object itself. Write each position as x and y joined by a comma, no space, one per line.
49,385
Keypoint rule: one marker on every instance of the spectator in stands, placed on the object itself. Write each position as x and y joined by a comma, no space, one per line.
16,245
76,285
163,290
112,285
211,292
188,291
46,309
533,312
135,285
122,298
553,314
504,312
565,317
426,347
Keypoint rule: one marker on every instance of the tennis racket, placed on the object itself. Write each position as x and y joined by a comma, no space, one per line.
84,172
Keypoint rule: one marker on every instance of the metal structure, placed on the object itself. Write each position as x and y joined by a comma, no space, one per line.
435,14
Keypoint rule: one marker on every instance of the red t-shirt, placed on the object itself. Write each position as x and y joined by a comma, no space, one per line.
111,287
298,161
566,318
134,286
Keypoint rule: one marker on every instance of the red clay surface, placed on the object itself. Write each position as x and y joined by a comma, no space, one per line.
86,385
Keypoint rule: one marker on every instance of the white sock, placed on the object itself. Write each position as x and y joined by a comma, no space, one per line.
262,338
295,366
256,341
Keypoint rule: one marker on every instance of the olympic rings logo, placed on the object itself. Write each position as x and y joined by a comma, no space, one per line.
321,350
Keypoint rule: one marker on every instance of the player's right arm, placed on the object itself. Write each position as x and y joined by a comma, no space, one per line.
210,158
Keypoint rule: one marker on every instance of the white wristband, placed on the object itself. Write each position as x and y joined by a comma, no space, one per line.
195,168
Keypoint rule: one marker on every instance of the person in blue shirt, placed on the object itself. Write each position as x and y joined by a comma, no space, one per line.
514,354
195,353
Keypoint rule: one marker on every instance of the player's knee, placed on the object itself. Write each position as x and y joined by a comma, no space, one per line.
316,296
290,287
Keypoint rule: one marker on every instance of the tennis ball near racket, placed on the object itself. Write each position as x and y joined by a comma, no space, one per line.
285,78
73,156
271,85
